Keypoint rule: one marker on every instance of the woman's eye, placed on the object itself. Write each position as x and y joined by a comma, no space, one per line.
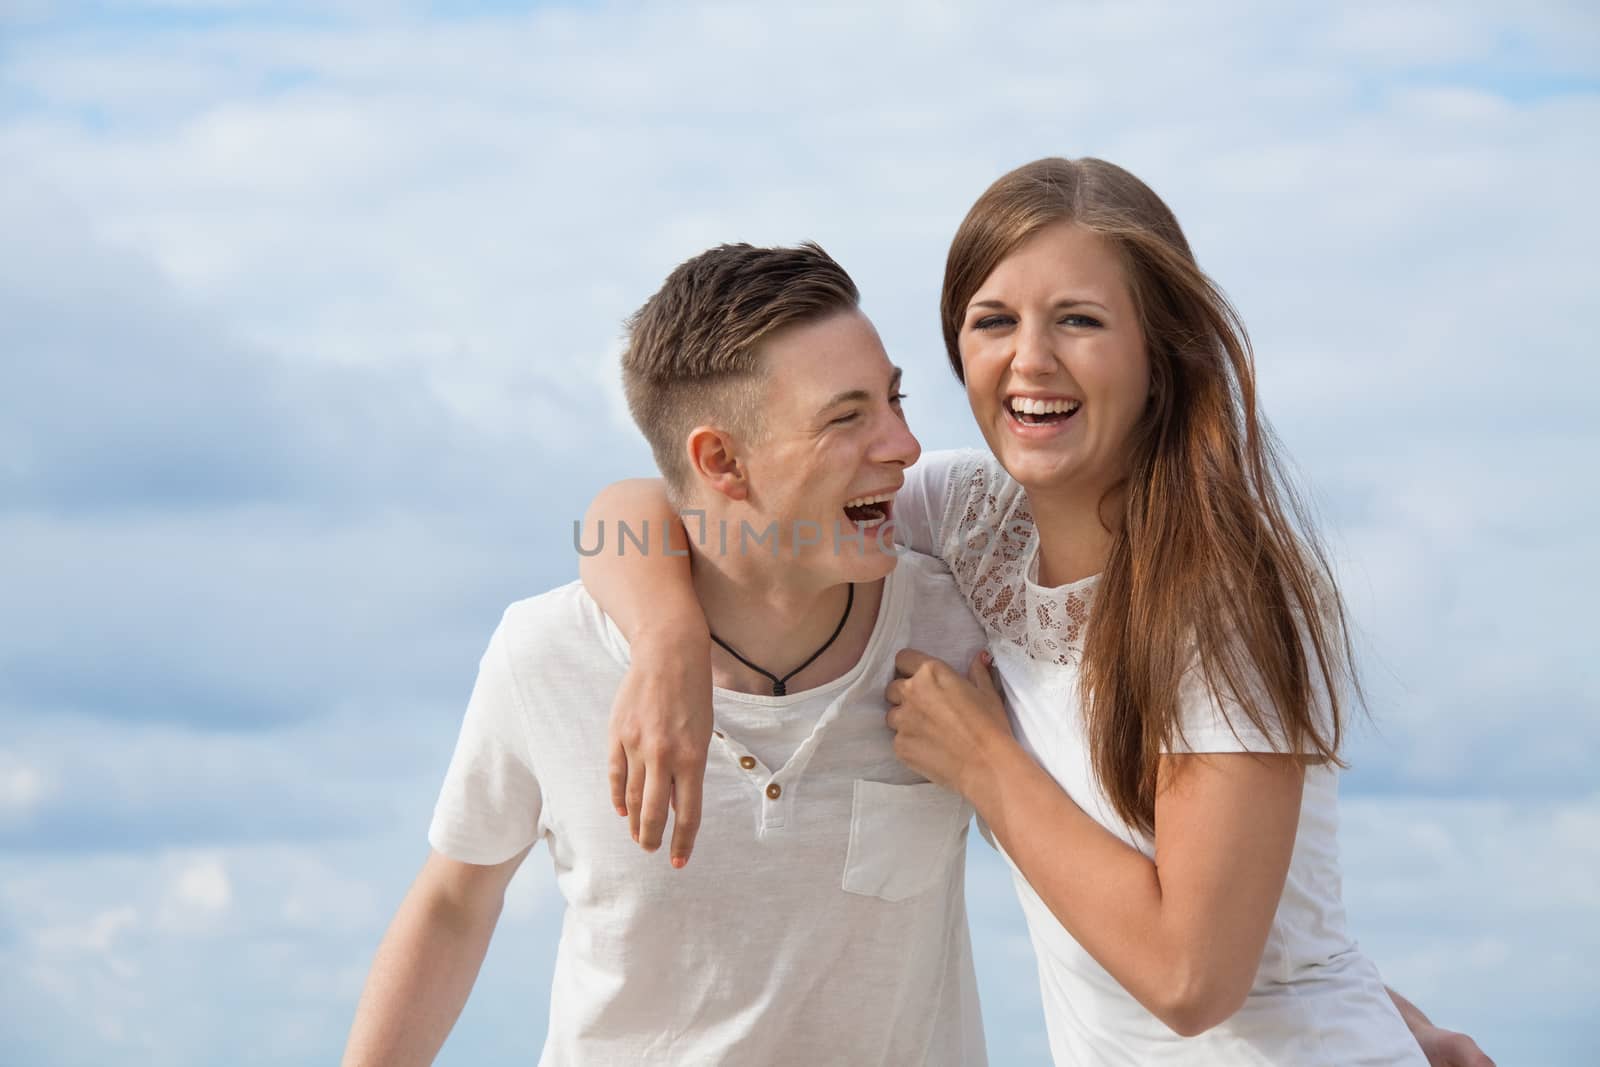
990,322
1080,320
895,398
842,419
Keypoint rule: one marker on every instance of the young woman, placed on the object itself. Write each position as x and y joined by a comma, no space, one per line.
1164,631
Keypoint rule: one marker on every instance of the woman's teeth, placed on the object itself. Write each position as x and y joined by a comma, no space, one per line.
1023,405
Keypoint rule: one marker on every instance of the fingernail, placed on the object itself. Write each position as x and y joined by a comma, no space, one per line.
680,862
988,660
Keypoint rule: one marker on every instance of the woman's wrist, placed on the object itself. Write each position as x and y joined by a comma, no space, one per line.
677,637
992,764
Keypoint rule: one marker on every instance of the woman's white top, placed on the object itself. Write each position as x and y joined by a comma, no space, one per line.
1316,999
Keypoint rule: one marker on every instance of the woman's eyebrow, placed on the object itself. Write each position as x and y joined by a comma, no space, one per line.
1064,302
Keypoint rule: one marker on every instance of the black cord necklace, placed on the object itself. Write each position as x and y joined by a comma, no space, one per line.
779,685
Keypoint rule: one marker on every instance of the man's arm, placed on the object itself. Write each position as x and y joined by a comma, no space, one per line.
427,962
1444,1048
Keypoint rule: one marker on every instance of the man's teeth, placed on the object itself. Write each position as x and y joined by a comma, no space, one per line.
863,501
1024,405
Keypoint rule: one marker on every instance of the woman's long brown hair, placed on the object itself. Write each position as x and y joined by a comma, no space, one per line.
1216,567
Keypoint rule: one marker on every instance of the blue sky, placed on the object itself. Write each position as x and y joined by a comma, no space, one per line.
309,317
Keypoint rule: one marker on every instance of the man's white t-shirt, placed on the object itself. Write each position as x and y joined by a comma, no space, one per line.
822,919
1316,1001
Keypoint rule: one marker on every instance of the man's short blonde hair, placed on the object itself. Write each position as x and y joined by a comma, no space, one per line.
693,349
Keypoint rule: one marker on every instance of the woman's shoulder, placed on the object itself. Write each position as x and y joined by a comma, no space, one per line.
988,543
968,493
981,491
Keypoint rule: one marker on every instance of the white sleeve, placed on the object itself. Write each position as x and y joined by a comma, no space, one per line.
921,508
1209,723
488,809
1214,722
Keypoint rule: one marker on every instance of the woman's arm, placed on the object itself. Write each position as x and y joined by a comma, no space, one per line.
1444,1048
1182,933
661,717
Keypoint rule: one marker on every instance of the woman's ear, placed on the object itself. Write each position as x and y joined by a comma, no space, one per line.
714,462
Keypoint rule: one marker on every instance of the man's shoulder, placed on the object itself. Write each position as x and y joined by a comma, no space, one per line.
928,581
939,612
563,624
560,605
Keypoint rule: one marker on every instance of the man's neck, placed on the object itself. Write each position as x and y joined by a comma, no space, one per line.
776,614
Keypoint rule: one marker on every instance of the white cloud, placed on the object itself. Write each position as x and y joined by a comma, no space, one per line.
97,934
1485,911
99,981
318,896
21,788
200,895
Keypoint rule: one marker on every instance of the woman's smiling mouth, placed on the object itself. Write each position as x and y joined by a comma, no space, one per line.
1026,411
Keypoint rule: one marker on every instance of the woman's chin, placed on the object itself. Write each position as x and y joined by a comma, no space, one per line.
1038,468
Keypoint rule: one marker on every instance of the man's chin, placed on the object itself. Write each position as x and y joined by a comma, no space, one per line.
875,560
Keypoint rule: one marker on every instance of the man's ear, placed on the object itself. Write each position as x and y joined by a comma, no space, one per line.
714,460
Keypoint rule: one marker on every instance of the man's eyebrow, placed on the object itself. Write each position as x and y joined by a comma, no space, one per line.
850,395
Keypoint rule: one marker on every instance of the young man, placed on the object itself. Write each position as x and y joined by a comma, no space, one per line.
824,920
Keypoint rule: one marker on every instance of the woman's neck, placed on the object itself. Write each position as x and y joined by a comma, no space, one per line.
1074,542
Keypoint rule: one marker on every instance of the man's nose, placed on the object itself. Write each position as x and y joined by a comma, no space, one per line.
899,445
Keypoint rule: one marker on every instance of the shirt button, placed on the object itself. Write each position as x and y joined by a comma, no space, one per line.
774,790
747,762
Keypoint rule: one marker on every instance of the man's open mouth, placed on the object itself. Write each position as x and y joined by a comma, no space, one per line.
870,511
1031,412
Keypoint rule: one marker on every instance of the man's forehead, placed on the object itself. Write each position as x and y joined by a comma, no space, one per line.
836,354
856,392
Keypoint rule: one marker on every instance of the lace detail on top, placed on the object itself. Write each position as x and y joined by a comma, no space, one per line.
992,550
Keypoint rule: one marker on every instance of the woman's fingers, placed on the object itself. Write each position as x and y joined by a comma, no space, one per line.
656,798
979,674
635,793
687,787
907,660
617,775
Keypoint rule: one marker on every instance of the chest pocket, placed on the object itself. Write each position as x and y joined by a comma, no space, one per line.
902,838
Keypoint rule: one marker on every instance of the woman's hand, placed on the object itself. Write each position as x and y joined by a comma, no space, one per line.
660,733
945,725
1447,1048
1444,1048
661,715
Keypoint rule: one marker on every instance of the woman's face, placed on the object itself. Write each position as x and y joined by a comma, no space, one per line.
1055,362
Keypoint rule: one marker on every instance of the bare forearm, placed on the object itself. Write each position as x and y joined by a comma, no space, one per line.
1183,933
420,979
1079,869
643,591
